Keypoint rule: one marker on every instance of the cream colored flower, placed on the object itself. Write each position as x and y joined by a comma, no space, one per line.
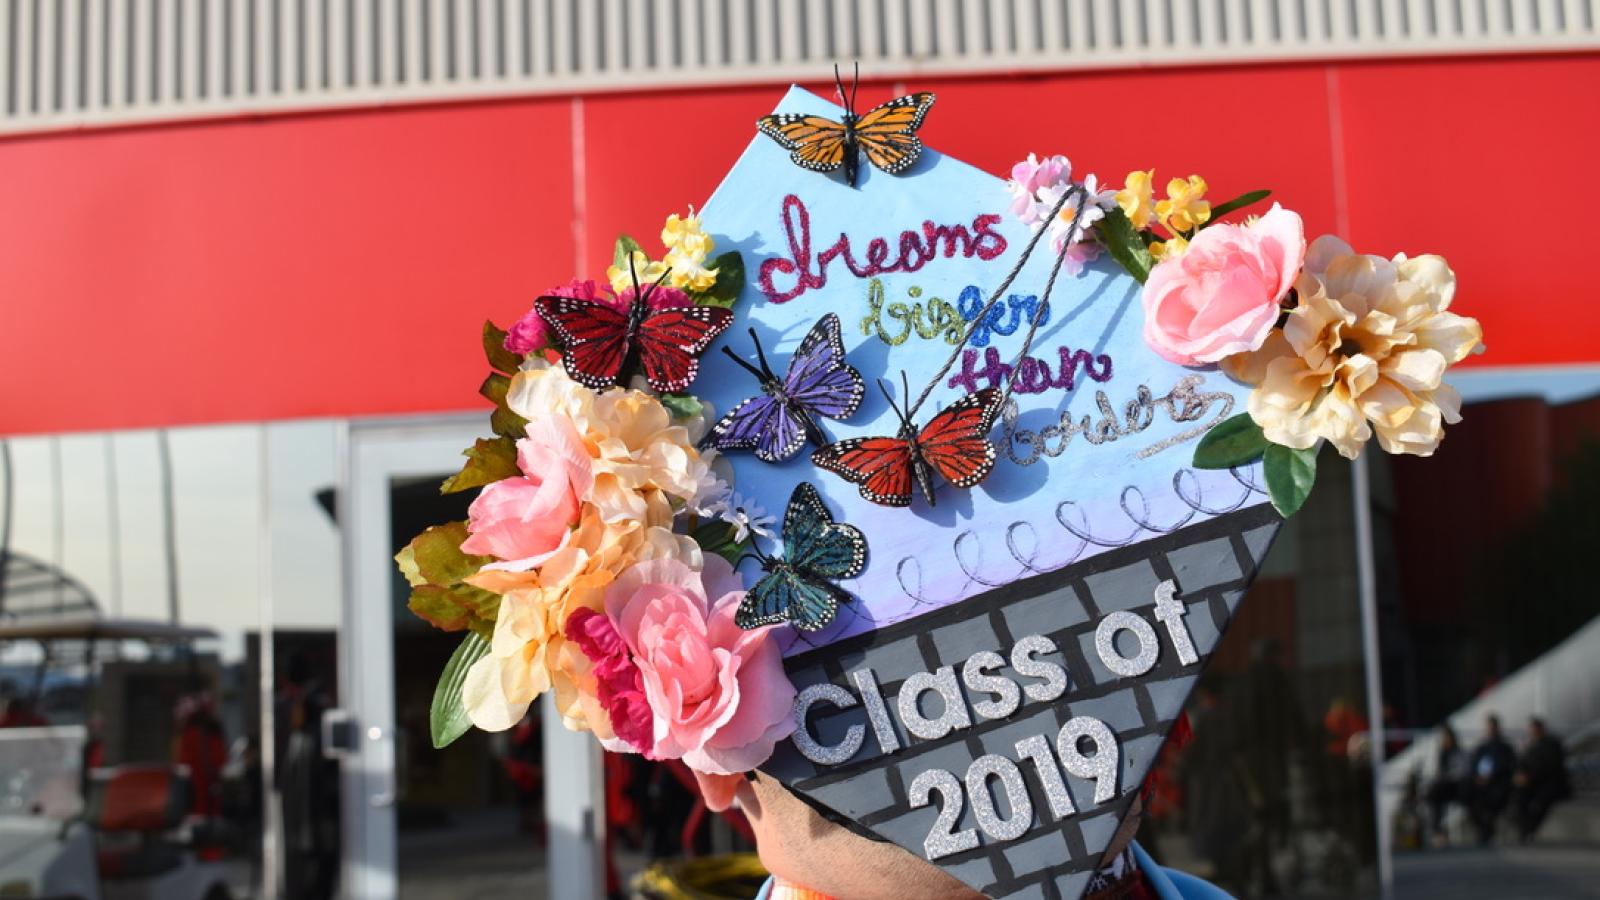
1363,353
529,653
636,446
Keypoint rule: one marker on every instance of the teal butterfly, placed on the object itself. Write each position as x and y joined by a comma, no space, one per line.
798,587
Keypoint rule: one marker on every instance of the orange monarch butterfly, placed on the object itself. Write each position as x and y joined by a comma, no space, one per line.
887,134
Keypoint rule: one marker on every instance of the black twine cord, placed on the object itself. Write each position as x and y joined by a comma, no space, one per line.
983,313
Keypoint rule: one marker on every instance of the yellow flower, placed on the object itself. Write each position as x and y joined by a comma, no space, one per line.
644,269
1135,197
688,248
1364,352
1171,248
1184,210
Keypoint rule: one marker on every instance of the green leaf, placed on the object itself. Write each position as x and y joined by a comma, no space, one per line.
502,421
1290,475
494,349
682,406
1237,203
624,249
488,461
1122,240
730,281
447,717
1233,442
717,537
495,388
438,556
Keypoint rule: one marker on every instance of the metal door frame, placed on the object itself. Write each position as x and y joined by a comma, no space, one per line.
372,453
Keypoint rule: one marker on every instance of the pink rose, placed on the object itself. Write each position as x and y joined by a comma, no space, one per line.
523,519
620,686
719,694
1221,296
530,333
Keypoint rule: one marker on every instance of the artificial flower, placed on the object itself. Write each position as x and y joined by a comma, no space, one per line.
529,652
618,685
718,693
1363,352
1171,248
639,270
523,519
1028,178
1184,210
1089,196
745,515
530,332
663,296
635,446
1136,197
1222,296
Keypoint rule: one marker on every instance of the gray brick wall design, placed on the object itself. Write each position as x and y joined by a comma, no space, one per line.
1212,563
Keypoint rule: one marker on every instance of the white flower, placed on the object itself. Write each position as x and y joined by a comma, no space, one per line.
710,490
1094,201
746,516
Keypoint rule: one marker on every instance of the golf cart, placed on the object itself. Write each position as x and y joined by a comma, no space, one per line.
96,803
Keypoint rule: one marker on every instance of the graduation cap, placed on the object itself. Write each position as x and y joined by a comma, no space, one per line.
1010,658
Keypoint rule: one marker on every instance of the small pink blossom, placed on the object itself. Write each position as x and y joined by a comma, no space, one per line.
662,297
1221,296
620,686
530,332
523,519
718,693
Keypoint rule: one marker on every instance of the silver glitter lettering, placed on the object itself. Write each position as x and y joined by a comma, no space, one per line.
808,746
992,765
1023,654
943,838
953,717
1169,612
1102,767
979,681
1037,750
1105,644
877,711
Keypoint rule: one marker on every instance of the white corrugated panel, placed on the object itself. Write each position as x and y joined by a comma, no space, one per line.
81,63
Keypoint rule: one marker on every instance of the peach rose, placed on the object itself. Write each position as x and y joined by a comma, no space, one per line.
523,519
1221,296
719,695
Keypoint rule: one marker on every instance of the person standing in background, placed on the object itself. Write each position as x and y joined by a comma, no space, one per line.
1451,776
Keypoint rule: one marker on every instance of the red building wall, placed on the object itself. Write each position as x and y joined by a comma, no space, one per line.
340,264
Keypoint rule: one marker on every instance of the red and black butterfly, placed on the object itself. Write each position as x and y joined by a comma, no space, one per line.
954,443
602,345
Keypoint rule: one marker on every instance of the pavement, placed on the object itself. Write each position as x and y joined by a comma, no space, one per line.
1536,872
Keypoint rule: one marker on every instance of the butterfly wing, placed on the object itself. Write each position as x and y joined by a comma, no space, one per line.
956,443
819,380
784,595
817,545
880,465
815,142
760,422
593,336
671,341
887,134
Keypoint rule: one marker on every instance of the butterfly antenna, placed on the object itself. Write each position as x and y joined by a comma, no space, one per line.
838,85
761,355
633,274
760,376
892,405
855,85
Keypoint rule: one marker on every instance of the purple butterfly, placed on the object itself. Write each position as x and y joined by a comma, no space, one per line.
780,421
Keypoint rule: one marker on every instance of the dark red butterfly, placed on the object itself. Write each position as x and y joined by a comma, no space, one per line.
954,443
601,345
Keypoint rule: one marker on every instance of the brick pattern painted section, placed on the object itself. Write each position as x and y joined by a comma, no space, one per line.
1211,563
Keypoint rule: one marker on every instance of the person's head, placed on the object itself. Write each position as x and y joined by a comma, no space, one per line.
1491,726
1447,737
1535,728
799,846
